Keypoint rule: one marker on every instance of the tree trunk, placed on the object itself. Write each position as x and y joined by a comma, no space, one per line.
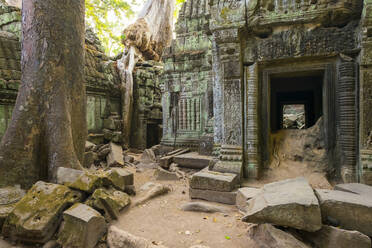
144,40
48,126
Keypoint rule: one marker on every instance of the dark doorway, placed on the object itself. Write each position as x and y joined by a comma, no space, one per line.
152,135
295,90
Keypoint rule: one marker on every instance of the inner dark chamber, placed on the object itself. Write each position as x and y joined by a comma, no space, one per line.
295,90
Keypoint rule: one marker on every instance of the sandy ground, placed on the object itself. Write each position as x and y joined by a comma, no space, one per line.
163,222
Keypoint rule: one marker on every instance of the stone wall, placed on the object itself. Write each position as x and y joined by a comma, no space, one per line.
252,41
187,81
102,84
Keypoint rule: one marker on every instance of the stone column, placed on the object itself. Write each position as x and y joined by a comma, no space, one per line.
365,97
346,96
251,141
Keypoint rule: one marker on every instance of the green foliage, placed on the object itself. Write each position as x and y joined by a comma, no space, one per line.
108,18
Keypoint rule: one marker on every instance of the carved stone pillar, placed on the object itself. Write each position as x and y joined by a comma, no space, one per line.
251,127
346,94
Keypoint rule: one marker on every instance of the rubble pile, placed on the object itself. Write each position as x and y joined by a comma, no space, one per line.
290,213
74,211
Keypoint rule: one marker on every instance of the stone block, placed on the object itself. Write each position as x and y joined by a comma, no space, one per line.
82,227
356,188
229,167
266,235
192,160
120,178
115,157
164,175
110,201
347,210
9,196
37,215
290,203
89,158
68,175
89,181
216,181
330,236
243,195
213,196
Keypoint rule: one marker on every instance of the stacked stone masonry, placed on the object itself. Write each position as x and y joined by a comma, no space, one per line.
251,45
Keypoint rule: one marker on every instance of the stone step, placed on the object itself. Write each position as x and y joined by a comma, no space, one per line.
213,196
211,180
192,160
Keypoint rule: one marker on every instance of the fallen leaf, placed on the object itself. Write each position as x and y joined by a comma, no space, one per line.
227,237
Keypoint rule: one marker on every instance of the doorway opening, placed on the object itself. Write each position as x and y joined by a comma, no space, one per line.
296,102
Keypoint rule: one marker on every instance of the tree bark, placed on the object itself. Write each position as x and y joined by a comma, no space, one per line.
48,126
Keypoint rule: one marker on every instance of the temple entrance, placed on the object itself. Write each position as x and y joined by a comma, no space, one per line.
299,96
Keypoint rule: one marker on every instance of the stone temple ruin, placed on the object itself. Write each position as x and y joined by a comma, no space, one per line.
102,83
235,64
245,89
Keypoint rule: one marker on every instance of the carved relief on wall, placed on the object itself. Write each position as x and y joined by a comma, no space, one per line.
232,112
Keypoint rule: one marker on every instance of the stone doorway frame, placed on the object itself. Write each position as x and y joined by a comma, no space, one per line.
259,75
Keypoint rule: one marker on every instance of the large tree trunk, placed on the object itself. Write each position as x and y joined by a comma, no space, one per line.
48,126
144,40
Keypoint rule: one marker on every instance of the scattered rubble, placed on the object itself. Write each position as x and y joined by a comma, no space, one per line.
289,203
267,236
82,227
347,210
37,215
9,196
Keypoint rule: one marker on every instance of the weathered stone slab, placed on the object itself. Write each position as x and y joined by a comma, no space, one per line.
212,180
110,201
37,215
9,196
148,156
356,188
117,238
289,203
347,210
164,175
243,195
82,227
192,160
115,157
68,175
213,196
267,236
330,236
120,178
89,181
229,167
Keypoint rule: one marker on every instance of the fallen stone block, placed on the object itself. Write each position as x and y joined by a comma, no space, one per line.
89,158
267,236
129,159
89,181
148,156
68,175
243,195
356,188
115,157
347,210
330,236
192,160
229,167
213,196
216,181
110,201
120,178
289,203
82,227
164,175
37,215
203,207
117,238
167,160
9,196
154,191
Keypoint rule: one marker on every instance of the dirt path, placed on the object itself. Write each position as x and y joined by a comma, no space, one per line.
161,220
